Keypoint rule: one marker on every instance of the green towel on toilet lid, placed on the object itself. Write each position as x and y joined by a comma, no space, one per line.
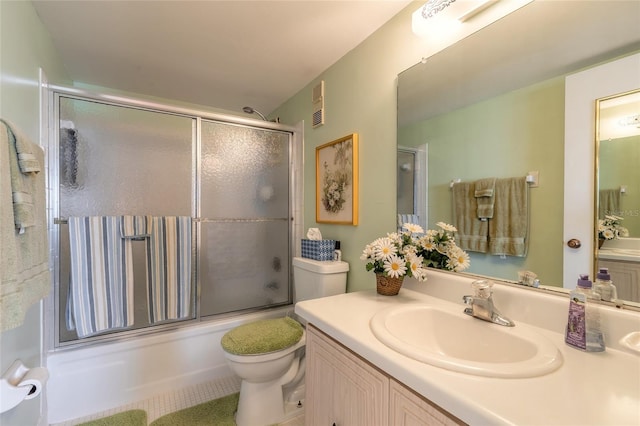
262,336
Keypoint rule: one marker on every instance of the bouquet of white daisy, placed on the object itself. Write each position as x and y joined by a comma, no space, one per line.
609,228
412,251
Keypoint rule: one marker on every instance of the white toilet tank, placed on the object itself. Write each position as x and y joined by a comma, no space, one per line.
313,278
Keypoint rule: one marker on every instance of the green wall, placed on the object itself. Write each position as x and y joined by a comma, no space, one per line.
360,97
505,136
24,47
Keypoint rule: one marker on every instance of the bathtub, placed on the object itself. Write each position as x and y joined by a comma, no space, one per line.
627,249
100,377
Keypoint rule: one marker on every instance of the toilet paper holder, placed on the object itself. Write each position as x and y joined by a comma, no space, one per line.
20,383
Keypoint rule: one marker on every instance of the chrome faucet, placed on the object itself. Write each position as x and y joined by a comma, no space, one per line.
481,304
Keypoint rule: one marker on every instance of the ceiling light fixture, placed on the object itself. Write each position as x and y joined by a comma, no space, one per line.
437,16
630,120
433,7
482,5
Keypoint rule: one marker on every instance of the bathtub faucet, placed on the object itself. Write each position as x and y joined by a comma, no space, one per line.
481,304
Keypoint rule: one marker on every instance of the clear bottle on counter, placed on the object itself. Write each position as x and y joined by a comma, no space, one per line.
604,287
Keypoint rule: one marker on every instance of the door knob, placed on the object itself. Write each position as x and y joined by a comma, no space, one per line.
574,243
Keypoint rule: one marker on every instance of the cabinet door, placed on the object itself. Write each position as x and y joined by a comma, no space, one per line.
408,409
342,389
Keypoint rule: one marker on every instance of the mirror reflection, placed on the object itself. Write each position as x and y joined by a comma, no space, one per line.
618,141
492,106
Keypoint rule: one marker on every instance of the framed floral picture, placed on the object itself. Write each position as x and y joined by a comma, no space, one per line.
337,181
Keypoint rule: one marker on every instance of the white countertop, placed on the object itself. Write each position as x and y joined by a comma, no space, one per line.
588,389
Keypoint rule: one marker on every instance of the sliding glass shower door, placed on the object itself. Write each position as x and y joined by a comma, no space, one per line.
245,218
114,161
232,183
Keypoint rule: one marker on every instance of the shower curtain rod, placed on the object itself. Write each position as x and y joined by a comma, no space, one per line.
64,221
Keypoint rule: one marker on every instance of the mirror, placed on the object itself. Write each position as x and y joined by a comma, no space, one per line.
618,178
493,105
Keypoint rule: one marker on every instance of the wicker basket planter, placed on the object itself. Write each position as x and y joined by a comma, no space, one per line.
388,286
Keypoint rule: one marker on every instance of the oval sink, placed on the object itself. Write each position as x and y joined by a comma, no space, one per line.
459,342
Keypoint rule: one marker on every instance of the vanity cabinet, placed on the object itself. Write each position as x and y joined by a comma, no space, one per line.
345,390
407,408
342,389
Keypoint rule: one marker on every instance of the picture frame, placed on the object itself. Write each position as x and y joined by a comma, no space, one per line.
337,181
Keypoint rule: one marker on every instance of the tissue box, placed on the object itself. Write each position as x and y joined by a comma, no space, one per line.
318,249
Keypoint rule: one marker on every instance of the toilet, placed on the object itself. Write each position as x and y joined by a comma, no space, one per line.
268,355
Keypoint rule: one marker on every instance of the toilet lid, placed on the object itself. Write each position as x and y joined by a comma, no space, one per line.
262,336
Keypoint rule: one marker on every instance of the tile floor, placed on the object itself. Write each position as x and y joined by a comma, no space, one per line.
160,405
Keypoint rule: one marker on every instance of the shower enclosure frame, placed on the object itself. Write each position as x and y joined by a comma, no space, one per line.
295,205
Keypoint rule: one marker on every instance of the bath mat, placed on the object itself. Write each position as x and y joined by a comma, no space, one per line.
126,418
218,412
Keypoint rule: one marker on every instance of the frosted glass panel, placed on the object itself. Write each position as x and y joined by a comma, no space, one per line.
245,172
113,161
243,265
406,182
117,160
245,206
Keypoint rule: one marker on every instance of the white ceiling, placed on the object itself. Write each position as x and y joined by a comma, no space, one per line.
225,54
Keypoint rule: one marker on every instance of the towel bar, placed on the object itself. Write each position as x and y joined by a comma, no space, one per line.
531,178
